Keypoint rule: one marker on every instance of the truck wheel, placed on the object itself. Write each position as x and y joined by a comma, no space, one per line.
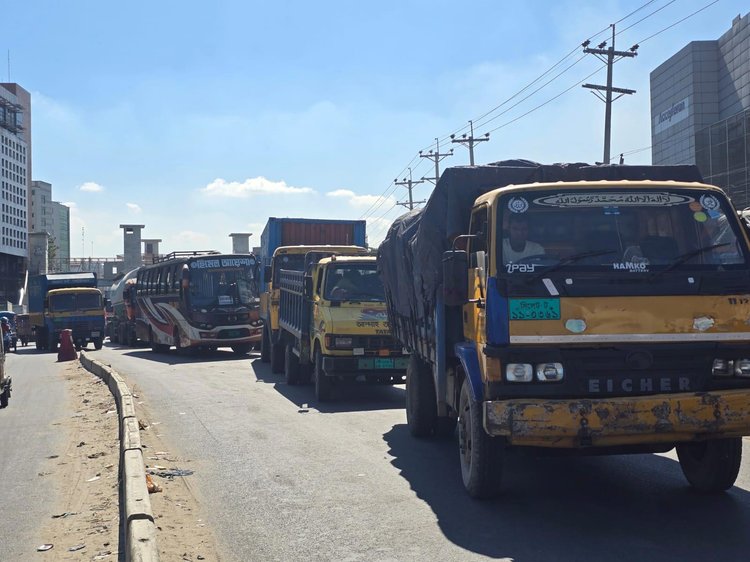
480,455
291,365
421,403
277,357
4,397
131,339
98,343
713,465
265,346
323,383
241,348
114,336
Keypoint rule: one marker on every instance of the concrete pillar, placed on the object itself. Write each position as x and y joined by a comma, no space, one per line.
132,245
241,242
38,253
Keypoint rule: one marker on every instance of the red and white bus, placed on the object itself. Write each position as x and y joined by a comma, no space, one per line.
199,300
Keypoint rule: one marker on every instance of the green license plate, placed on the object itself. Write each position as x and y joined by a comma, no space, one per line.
535,309
375,363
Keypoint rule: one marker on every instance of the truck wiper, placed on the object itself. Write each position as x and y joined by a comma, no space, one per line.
679,260
571,259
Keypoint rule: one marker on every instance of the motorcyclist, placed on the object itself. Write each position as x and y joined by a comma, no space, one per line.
7,338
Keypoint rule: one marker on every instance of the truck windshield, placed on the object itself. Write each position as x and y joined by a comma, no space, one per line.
292,262
353,282
72,302
634,231
223,287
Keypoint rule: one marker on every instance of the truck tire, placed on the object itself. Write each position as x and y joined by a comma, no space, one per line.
131,337
265,346
421,403
711,466
323,383
97,343
241,348
4,397
114,334
291,365
277,357
480,455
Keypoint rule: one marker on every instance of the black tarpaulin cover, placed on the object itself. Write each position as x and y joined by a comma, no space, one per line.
410,257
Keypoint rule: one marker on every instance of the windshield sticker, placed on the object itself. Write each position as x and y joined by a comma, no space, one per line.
700,216
611,210
534,309
520,267
709,202
632,266
373,314
658,199
518,205
695,206
225,299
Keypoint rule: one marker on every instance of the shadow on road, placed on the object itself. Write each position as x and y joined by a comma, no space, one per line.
348,397
174,357
576,508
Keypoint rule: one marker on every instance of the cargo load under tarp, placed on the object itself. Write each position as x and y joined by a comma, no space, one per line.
410,257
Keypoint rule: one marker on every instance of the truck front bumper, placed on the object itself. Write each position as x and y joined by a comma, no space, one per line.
638,420
356,366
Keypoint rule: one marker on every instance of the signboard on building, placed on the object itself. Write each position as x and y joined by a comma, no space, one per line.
678,111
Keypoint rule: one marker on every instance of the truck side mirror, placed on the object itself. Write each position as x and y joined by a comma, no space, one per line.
455,277
307,291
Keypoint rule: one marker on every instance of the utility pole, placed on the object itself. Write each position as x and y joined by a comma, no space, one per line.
608,56
409,185
436,157
470,141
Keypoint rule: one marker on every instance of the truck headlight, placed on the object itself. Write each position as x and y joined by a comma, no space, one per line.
342,342
549,372
519,372
742,367
722,368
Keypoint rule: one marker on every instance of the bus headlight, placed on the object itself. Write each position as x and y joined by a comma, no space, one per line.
549,372
519,372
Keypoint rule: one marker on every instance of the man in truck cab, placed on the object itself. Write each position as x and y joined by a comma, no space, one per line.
517,245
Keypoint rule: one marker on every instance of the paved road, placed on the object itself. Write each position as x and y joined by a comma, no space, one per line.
346,482
30,431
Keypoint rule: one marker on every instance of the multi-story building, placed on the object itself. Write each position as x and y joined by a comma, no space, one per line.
54,218
700,110
15,165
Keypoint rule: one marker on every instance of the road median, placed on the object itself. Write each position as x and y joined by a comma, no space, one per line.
138,524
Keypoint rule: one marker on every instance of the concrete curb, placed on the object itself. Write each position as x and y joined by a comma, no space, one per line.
138,526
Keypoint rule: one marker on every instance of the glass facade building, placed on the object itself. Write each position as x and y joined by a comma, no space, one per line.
700,110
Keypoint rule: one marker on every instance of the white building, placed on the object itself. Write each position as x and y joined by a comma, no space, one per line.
15,173
52,217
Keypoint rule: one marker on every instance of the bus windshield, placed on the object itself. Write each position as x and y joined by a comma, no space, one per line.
353,282
72,302
223,287
633,231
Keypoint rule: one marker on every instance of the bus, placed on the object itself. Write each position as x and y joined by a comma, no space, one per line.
199,300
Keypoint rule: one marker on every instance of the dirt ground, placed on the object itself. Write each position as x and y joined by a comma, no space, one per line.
85,521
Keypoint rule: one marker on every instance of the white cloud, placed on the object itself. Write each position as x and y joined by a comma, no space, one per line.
91,186
361,200
134,207
252,186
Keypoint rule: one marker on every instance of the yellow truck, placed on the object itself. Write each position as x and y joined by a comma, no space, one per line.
598,309
289,258
333,323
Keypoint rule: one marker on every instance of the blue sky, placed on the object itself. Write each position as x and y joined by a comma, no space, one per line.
202,119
